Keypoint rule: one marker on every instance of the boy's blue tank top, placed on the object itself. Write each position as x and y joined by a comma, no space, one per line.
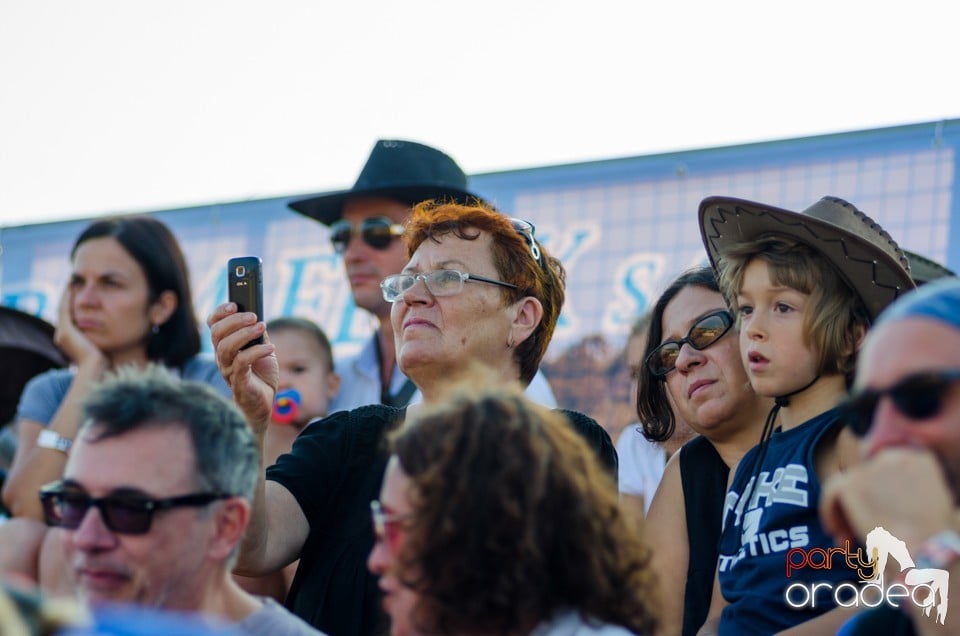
778,514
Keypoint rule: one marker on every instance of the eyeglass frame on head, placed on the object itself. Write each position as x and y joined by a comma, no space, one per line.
387,283
649,361
856,407
387,526
528,231
394,230
52,495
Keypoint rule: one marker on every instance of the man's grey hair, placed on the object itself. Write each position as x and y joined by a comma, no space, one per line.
227,456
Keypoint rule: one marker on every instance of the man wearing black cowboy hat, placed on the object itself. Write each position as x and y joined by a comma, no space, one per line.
365,223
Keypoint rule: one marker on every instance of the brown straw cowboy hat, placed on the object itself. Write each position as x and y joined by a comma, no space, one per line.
867,258
405,171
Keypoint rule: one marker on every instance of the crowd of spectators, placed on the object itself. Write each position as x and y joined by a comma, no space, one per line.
789,436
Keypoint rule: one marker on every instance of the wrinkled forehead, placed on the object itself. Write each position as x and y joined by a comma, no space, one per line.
154,459
911,344
448,251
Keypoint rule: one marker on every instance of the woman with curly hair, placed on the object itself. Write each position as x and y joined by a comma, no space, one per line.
494,518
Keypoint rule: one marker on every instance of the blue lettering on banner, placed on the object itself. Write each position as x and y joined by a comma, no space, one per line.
568,246
30,301
634,285
316,286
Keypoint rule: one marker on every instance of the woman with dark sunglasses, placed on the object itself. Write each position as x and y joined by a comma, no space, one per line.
494,518
692,369
478,288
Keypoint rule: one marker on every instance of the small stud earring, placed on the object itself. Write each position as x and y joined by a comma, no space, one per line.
155,329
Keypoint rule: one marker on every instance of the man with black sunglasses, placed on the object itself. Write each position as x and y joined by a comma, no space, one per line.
905,404
154,500
365,223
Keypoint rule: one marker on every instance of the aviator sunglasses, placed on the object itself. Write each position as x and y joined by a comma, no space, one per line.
919,396
702,334
121,513
377,232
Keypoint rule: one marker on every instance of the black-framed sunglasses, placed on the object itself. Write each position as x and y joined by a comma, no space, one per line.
702,334
377,232
919,396
123,514
528,231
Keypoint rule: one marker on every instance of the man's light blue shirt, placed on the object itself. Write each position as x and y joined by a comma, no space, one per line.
360,382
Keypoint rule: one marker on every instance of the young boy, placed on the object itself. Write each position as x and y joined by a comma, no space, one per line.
804,288
308,382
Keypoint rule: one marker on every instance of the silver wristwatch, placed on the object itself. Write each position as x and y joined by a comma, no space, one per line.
52,439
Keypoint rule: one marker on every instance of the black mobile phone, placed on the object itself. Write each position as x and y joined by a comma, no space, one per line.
245,287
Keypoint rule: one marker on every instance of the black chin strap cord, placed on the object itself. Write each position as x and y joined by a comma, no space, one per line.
768,426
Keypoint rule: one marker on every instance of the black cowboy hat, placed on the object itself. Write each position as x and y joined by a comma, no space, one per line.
862,252
402,170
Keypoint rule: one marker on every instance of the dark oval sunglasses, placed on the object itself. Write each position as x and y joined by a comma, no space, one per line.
702,334
377,232
919,396
124,514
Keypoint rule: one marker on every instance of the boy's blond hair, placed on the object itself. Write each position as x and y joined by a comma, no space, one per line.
836,317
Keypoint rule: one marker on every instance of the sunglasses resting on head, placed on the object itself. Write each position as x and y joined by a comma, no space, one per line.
378,232
528,231
919,397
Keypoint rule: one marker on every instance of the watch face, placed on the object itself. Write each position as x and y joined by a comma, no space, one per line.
51,439
46,438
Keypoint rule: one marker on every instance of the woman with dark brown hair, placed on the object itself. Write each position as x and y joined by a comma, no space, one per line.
692,373
495,519
127,302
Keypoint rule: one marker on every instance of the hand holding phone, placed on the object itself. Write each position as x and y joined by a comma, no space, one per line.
245,287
